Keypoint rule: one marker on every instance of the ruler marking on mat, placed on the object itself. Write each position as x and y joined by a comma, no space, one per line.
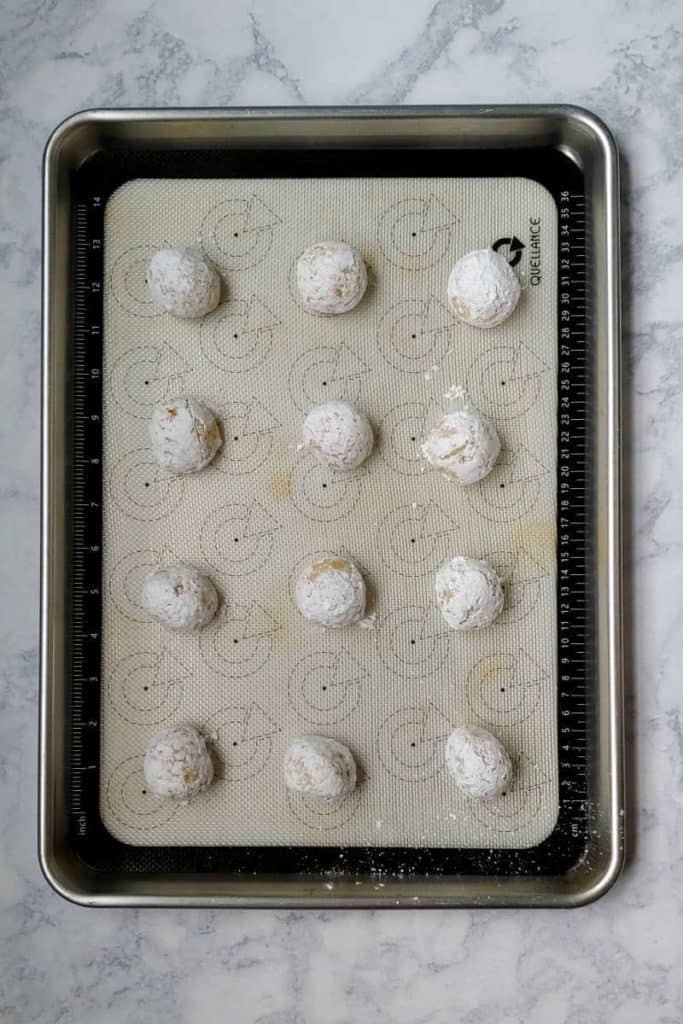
86,526
574,545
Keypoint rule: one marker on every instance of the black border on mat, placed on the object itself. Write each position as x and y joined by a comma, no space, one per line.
94,845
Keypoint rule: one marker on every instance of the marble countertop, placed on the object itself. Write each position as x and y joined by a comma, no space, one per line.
615,961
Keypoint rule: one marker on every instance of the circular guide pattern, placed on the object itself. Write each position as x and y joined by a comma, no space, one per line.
395,690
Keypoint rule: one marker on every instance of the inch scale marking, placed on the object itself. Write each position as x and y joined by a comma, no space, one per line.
573,546
86,512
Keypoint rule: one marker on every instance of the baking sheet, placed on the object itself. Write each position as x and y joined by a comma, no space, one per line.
260,675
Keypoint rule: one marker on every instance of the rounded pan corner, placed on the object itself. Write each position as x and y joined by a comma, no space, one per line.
66,134
597,881
62,880
586,121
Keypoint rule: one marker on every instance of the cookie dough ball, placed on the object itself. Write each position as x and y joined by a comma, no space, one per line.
184,434
183,283
318,767
179,597
478,762
469,593
331,592
483,289
338,435
465,446
331,277
178,764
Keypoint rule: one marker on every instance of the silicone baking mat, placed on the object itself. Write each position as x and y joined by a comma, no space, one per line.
260,675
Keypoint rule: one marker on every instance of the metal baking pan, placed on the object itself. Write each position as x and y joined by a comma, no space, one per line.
573,155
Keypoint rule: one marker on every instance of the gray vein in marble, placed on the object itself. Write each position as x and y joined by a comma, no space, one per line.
392,84
266,59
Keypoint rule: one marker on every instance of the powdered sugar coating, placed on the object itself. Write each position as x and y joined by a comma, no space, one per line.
338,435
183,283
468,592
178,764
465,446
331,277
478,762
184,435
179,597
319,767
483,289
331,592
